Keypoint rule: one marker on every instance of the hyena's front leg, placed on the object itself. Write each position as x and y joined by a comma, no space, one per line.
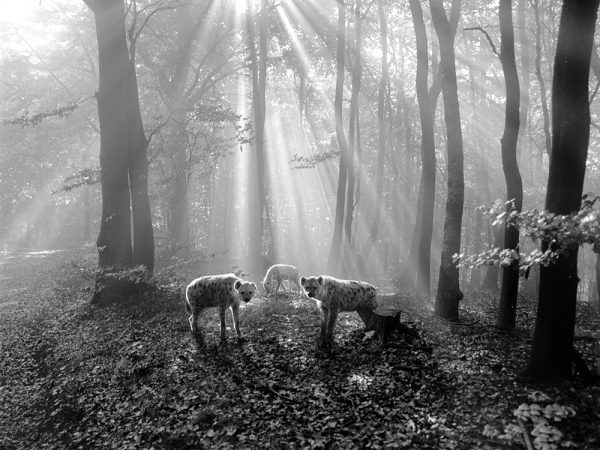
333,313
324,318
194,324
235,310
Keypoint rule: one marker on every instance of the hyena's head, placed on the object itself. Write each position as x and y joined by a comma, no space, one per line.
312,285
246,289
268,287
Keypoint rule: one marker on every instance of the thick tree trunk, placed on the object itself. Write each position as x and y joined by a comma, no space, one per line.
427,186
123,162
449,293
514,186
552,351
334,258
114,239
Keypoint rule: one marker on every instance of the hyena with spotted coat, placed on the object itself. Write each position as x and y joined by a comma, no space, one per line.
223,291
277,274
334,296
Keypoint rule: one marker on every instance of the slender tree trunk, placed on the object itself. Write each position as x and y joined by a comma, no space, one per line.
352,135
552,351
381,147
423,287
259,77
514,185
334,258
87,222
525,75
538,73
449,293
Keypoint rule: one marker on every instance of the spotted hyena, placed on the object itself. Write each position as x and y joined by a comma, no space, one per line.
279,272
223,291
333,295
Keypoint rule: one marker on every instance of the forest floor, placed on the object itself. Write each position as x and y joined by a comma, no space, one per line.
131,376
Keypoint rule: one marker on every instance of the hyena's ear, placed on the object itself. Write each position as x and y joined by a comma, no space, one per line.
254,285
302,281
320,281
237,284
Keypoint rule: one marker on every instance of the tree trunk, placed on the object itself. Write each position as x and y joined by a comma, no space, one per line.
514,185
427,186
381,147
334,258
352,131
449,293
538,73
123,162
259,78
552,351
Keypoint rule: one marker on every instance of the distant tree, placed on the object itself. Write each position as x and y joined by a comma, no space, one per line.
552,352
514,186
334,258
123,161
381,128
353,131
259,79
423,287
448,292
540,76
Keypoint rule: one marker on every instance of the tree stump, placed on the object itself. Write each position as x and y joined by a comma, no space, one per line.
383,320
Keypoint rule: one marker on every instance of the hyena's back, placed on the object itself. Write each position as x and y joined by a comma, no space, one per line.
206,291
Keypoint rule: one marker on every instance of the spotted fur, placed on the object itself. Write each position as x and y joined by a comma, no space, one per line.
334,296
277,274
223,291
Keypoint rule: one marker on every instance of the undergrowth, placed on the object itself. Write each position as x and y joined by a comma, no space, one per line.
131,376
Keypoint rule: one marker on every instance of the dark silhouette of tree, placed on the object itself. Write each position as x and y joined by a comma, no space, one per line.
552,352
123,161
448,292
514,186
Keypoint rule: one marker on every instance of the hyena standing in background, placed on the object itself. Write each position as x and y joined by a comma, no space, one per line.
223,291
334,296
279,272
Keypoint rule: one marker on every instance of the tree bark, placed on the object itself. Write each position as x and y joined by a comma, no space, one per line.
514,186
259,79
449,293
427,186
352,132
552,351
538,73
334,258
382,144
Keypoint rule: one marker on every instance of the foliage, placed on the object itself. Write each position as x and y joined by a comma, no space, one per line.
27,119
309,162
559,231
83,177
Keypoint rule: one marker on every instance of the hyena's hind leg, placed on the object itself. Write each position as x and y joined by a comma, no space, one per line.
222,319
